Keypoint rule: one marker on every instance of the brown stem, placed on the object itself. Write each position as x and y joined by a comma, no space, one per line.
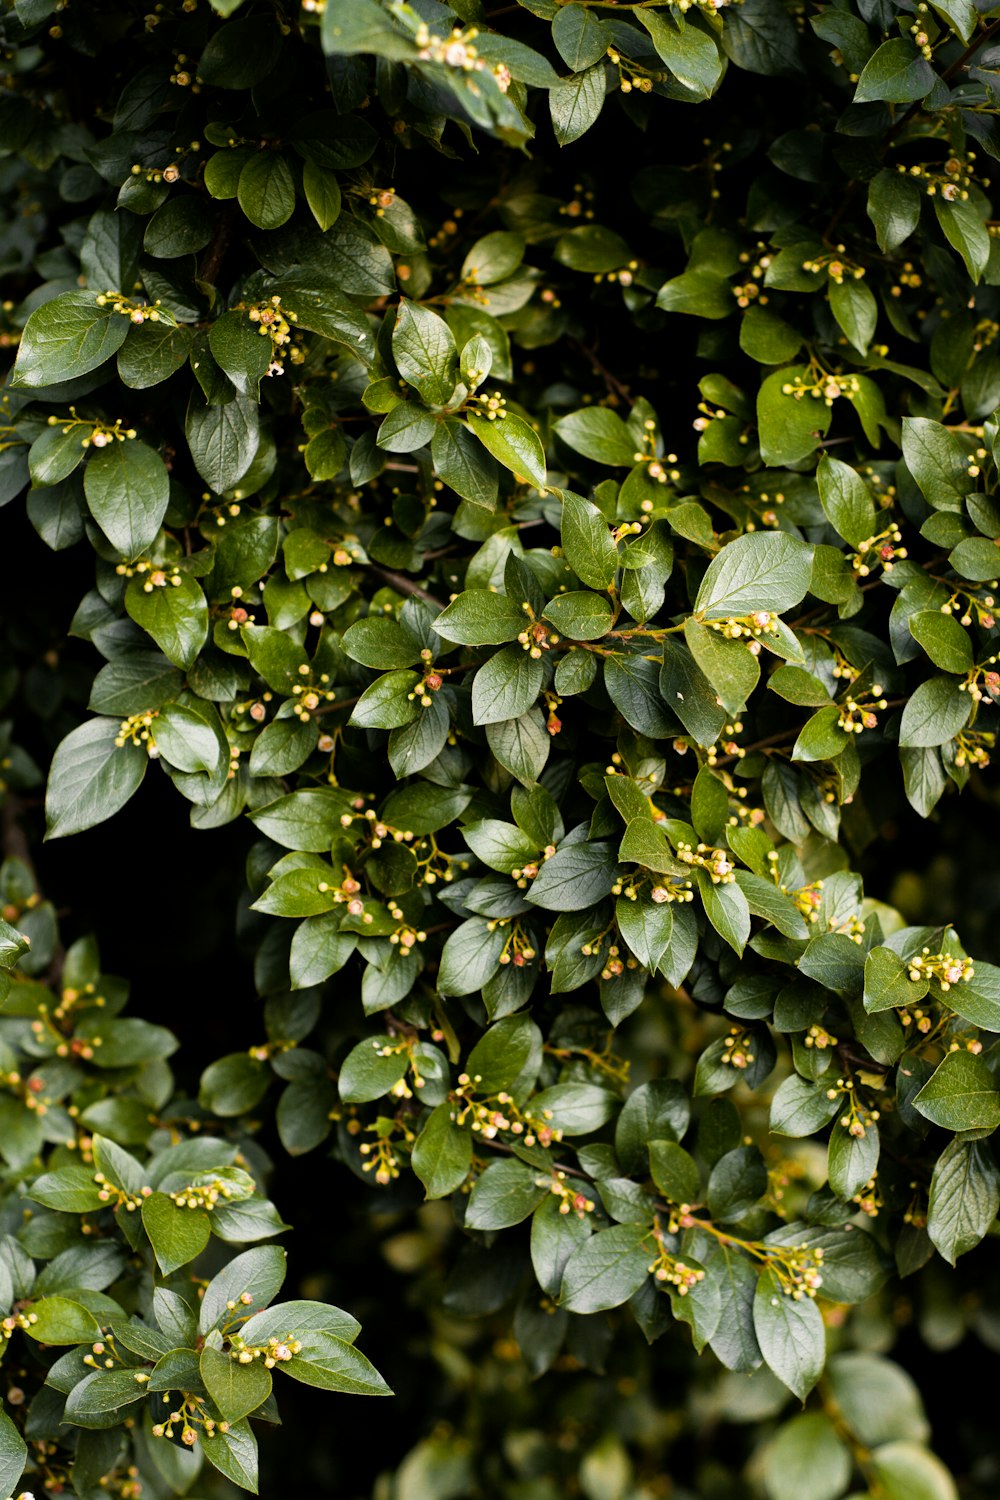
211,261
404,585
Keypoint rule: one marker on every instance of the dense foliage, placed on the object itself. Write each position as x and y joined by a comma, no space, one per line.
560,524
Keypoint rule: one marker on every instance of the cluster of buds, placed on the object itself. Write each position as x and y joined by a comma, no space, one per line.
972,1044
135,730
405,1045
822,386
990,679
104,1356
571,1200
538,637
727,746
943,969
837,266
96,434
493,408
152,578
457,51
669,1271
982,609
808,898
207,1192
716,863
649,456
136,312
856,1119
381,199
15,1320
799,1270
276,1351
192,1415
750,291
518,948
499,1114
625,275
183,76
671,891
972,747
710,7
868,1198
119,1197
747,627
348,890
432,682
380,1157
881,550
851,927
405,937
272,323
169,174
909,277
819,1038
952,184
855,717
736,1048
309,695
632,75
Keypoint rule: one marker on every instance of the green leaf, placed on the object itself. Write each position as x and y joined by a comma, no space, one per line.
463,464
91,777
388,703
513,444
851,1160
894,208
334,1365
960,1094
807,1460
690,54
425,353
506,686
576,876
127,489
944,640
223,440
600,434
174,615
906,1471
675,1172
762,571
322,191
976,558
965,231
791,1335
587,542
937,712
68,1190
505,1194
791,422
936,459
67,337
606,1270
887,982
727,910
576,103
801,1107
964,1198
234,1454
846,500
853,305
371,1069
176,1234
236,1389
102,1394
59,1320
481,618
442,1153
13,1455
266,190
896,72
470,956
258,1272
580,615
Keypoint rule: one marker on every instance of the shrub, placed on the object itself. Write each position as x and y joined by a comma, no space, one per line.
362,349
